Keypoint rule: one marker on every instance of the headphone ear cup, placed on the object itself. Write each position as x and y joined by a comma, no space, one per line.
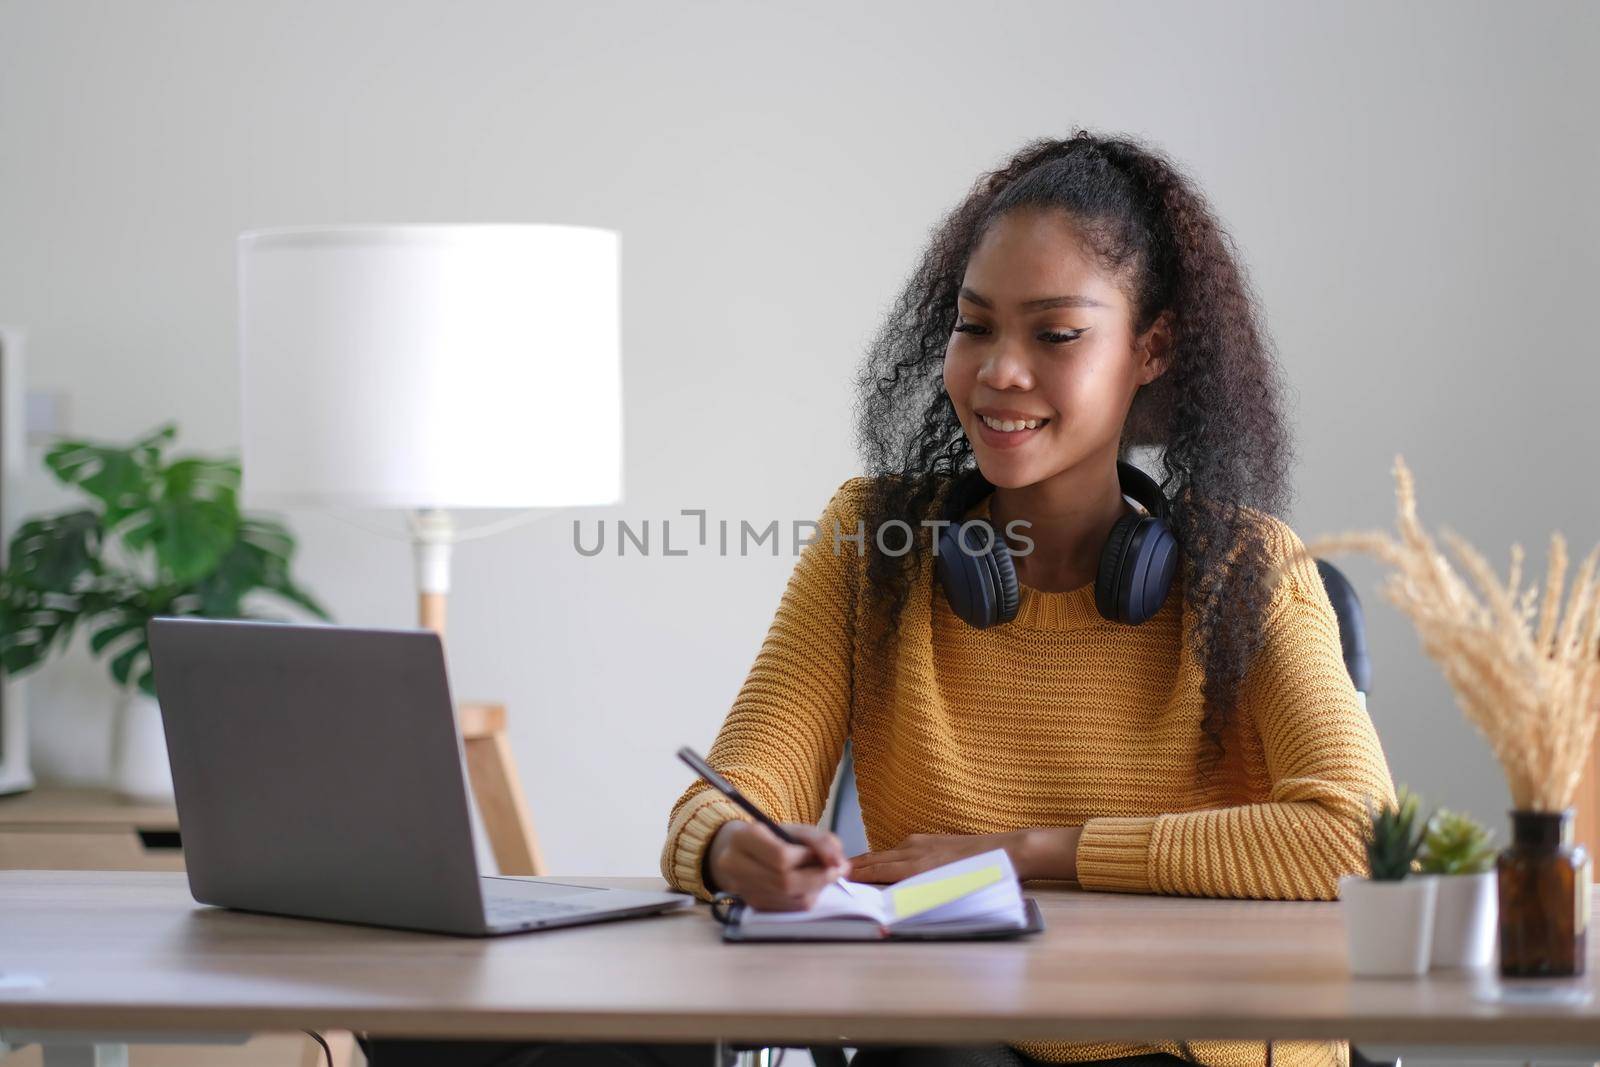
1107,594
953,575
1151,564
1136,569
1005,580
985,574
970,581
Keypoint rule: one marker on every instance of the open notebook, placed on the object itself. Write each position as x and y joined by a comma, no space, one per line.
975,897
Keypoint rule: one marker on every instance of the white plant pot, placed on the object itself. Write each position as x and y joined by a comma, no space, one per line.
139,768
1465,911
1389,925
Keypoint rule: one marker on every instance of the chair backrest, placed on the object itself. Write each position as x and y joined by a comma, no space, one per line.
843,814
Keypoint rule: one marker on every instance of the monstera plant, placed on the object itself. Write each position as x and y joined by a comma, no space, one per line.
156,536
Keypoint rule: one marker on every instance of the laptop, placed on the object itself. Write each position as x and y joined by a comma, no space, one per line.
318,773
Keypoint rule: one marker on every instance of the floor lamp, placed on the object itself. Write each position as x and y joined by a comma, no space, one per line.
432,370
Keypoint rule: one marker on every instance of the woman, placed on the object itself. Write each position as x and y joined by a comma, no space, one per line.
1081,301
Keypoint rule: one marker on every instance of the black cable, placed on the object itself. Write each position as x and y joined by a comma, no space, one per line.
326,1051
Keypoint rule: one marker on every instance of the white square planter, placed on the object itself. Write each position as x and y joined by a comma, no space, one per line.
1389,925
1465,912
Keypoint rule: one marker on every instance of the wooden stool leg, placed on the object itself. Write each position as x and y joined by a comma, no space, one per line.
490,769
498,791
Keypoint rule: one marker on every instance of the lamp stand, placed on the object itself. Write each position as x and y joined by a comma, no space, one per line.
490,767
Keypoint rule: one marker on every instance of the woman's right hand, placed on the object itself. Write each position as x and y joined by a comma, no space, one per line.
771,875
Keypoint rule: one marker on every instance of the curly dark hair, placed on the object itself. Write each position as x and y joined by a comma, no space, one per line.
1215,415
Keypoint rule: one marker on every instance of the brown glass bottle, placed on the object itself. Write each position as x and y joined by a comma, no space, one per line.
1544,897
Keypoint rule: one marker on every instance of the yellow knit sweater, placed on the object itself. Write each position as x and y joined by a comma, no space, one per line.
1058,718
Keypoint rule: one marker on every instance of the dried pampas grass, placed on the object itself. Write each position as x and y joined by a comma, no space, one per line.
1532,688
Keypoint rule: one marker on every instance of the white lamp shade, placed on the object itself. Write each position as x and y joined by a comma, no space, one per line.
431,366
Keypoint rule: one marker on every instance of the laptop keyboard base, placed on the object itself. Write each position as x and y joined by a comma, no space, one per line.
505,911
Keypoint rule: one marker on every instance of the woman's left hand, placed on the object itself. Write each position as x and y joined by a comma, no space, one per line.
922,852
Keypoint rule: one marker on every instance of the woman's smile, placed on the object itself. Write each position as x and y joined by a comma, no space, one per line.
1005,428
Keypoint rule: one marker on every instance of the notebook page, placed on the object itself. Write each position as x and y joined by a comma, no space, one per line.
858,901
997,904
981,886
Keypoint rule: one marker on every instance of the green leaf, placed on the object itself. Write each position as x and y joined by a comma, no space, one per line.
34,622
138,536
56,553
269,536
150,445
1456,844
1394,837
296,595
120,478
238,572
202,479
124,617
102,638
191,538
259,560
196,519
23,643
122,666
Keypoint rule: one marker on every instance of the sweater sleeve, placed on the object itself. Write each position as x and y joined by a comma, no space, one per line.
1323,759
782,740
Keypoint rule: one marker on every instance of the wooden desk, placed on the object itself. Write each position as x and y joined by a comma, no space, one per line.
132,951
56,828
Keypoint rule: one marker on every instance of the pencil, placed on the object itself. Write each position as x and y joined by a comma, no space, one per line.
729,790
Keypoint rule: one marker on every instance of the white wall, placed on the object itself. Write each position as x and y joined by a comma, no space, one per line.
1413,188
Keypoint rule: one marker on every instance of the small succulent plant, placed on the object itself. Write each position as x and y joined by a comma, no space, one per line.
1394,837
1456,843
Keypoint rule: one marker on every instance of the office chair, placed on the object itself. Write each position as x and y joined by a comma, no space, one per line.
843,812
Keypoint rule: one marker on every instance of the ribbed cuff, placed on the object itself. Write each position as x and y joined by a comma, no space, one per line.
1114,853
690,835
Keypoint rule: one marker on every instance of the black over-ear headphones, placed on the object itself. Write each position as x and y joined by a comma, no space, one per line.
1137,564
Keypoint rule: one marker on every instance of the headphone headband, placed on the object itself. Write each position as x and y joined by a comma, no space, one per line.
1143,488
1137,563
972,487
